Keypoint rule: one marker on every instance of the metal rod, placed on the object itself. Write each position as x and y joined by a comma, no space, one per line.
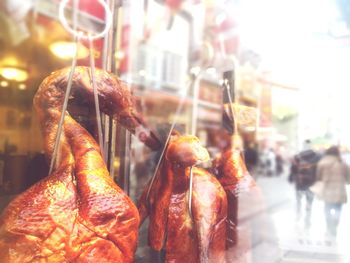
75,15
106,46
227,87
177,113
195,106
110,41
126,172
110,65
193,132
190,193
64,108
112,147
105,65
97,104
68,89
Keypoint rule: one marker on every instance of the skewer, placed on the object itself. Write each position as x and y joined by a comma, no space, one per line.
69,84
227,87
97,105
64,108
190,193
177,113
193,132
78,35
235,127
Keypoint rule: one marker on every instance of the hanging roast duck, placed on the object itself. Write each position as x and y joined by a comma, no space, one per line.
77,213
230,169
189,231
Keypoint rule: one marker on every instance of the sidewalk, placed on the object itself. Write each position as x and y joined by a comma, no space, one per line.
291,243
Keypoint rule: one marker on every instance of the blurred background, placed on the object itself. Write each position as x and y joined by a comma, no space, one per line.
281,67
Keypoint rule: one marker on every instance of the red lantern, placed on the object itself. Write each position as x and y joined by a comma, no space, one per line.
173,4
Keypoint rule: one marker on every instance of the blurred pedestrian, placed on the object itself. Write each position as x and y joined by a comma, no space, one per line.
251,157
334,174
303,174
271,162
279,164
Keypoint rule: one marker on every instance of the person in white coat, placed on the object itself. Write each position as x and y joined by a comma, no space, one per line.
334,174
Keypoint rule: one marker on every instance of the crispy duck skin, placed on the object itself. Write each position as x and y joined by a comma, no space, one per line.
233,175
185,239
77,213
231,170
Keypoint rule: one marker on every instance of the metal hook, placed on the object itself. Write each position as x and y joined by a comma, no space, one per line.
227,87
78,35
85,36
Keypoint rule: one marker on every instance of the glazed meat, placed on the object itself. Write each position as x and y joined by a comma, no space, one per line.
77,213
233,175
200,238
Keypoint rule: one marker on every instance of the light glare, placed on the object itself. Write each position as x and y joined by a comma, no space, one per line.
12,73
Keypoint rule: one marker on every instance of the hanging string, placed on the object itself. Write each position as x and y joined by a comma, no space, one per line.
64,107
97,104
176,116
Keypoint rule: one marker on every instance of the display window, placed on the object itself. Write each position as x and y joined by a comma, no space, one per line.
173,131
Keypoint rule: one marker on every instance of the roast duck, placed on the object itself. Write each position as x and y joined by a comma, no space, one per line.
77,213
196,236
230,169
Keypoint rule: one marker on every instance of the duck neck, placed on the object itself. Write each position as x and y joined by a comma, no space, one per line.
181,177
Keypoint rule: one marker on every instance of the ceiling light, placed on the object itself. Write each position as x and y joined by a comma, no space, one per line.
67,50
22,86
13,73
4,83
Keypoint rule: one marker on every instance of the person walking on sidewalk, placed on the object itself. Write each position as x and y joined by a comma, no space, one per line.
303,174
334,174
